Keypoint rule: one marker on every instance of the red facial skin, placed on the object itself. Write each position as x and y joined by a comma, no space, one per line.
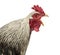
36,22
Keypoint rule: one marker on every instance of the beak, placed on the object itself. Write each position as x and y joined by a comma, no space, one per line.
46,15
42,24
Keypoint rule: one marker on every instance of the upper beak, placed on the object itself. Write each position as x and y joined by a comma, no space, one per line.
46,15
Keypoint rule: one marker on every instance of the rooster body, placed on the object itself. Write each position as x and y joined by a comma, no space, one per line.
14,36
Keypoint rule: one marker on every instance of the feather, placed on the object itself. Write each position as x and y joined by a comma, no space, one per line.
15,35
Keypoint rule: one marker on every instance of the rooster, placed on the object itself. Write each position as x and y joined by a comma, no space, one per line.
14,36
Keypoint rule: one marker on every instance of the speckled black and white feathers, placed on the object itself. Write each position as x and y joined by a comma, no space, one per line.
14,37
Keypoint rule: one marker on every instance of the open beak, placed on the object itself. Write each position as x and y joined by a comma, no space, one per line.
46,16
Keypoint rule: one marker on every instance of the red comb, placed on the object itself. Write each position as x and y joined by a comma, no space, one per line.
38,9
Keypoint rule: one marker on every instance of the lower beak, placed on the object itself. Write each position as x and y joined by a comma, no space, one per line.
42,24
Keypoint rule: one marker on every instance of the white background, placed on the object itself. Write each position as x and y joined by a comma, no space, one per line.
47,40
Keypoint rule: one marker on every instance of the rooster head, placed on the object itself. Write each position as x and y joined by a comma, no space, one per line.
36,22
